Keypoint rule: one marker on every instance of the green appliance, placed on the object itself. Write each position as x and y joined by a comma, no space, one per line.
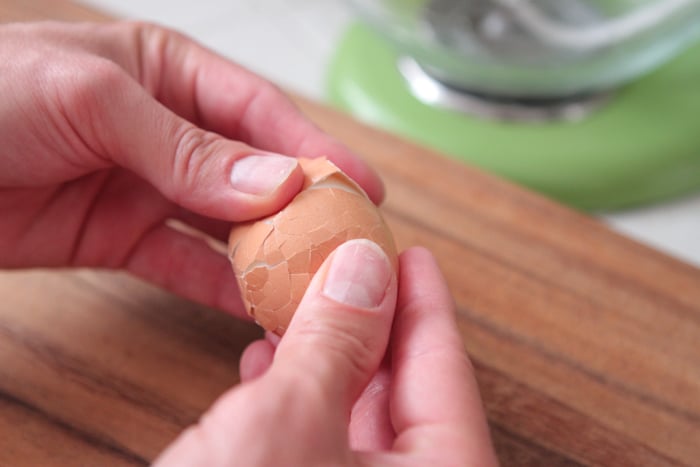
593,102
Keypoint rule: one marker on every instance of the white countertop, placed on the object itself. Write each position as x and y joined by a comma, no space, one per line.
290,42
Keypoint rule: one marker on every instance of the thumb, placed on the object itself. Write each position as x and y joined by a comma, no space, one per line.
333,346
197,169
340,331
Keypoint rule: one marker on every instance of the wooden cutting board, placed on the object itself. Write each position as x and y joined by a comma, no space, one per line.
586,344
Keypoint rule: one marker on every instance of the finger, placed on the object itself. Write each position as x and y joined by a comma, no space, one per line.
370,425
225,98
286,130
187,266
273,338
196,169
256,359
332,347
143,237
435,402
214,228
339,333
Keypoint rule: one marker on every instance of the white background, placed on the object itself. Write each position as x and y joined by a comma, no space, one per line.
291,41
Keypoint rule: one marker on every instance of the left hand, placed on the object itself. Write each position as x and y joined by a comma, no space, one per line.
109,130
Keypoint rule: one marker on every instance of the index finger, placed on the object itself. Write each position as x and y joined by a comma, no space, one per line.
436,407
223,97
260,114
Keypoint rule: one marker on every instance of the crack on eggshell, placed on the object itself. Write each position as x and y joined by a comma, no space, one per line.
261,264
332,184
275,258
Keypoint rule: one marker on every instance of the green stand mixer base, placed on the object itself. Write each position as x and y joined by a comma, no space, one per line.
642,146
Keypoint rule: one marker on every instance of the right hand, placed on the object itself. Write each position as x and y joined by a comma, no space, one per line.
328,397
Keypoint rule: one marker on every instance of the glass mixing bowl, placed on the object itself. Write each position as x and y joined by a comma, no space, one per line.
535,49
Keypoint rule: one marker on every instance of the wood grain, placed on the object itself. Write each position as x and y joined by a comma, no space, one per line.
586,344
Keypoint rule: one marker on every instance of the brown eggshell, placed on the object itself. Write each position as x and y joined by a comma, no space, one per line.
275,258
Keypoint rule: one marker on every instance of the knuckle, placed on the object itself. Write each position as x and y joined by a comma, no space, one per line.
137,26
156,46
77,95
150,30
342,345
193,150
84,85
145,32
104,74
260,96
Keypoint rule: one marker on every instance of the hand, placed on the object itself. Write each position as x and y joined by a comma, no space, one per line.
110,130
327,398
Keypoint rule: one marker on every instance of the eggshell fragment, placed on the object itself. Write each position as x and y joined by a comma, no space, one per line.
275,258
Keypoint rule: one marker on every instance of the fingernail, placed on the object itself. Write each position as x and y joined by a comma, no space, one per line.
359,274
261,174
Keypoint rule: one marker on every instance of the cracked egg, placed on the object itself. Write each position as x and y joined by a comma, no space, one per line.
275,258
